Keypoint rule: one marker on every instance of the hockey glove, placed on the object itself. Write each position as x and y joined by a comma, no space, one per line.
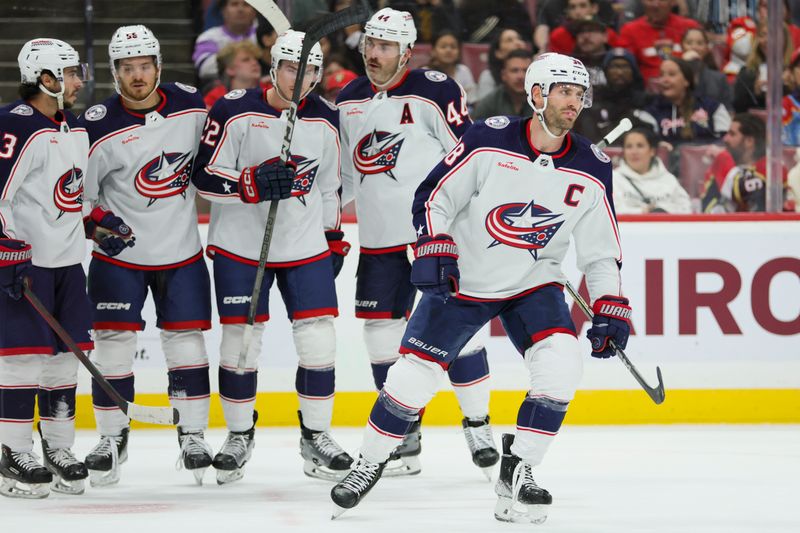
339,248
267,182
435,268
612,321
108,231
15,259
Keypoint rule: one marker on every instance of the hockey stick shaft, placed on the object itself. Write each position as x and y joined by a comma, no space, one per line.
153,415
355,14
272,13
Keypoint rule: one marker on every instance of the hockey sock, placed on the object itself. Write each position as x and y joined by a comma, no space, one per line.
16,416
469,375
388,423
57,415
110,420
379,371
189,393
315,390
538,421
238,396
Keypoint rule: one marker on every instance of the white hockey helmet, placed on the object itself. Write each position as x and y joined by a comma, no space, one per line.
43,54
289,47
132,41
391,25
551,68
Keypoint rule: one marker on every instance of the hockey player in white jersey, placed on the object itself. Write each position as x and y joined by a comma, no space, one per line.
43,154
495,219
143,145
240,171
396,125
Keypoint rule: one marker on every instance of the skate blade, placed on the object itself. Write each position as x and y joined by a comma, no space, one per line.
320,472
409,465
72,488
337,511
225,477
488,471
507,511
198,474
11,488
104,478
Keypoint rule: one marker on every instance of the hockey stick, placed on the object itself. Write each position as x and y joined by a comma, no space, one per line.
657,394
272,13
166,416
355,14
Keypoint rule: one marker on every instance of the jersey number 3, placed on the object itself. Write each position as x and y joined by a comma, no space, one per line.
7,145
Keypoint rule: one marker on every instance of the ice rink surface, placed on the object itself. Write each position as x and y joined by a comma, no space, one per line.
704,479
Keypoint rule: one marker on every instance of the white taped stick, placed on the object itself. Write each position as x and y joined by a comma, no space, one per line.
272,13
624,125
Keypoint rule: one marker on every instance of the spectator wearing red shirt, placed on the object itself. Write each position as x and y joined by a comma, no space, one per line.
656,35
562,39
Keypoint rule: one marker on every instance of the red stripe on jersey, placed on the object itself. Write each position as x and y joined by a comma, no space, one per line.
134,266
212,250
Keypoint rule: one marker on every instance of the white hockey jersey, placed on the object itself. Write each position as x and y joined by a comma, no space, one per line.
512,210
392,139
42,168
242,131
140,167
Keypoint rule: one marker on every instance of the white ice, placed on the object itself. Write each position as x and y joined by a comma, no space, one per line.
652,479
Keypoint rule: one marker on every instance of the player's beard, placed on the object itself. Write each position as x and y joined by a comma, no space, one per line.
138,93
556,121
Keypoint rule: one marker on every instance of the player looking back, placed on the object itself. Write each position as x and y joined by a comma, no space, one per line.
396,124
495,219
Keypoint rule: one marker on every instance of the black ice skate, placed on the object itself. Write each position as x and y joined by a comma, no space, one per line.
68,472
324,458
407,454
195,453
519,498
348,493
21,475
235,452
105,459
481,444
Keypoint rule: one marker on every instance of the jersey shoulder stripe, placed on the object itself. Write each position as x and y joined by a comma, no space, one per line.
314,106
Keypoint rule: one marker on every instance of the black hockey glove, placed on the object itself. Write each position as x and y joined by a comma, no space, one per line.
339,248
612,320
435,268
266,182
15,259
108,231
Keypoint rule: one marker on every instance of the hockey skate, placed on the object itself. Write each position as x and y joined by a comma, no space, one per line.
195,454
235,452
21,475
105,459
519,498
349,492
324,458
68,472
407,454
481,444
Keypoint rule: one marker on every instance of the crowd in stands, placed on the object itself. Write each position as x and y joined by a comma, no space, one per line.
691,74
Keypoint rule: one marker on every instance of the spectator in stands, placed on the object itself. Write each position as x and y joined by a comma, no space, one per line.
265,38
509,98
623,96
642,184
709,81
591,46
739,41
562,39
679,114
552,14
655,36
446,57
791,104
737,179
431,17
481,18
504,42
239,68
749,89
239,23
794,31
336,81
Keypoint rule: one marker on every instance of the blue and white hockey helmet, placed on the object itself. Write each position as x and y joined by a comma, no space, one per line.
52,55
550,68
391,25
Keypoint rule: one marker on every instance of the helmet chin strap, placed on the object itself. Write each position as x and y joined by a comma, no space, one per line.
133,100
59,96
400,65
279,92
539,112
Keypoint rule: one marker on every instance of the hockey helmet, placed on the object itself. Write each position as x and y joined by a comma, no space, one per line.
551,68
289,46
133,41
391,25
38,55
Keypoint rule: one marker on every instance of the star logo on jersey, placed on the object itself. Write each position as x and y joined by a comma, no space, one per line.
68,192
377,153
527,226
305,174
164,176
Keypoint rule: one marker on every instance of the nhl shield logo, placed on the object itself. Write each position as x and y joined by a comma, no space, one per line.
68,192
164,176
601,155
525,226
377,153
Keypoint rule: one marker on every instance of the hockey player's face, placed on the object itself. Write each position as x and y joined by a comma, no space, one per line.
137,77
287,73
73,82
381,59
564,103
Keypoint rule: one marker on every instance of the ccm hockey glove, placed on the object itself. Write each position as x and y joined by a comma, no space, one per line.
339,248
266,182
435,268
15,259
612,321
108,231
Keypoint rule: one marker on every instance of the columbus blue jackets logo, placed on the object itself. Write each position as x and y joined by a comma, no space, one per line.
164,176
377,153
68,192
525,226
305,174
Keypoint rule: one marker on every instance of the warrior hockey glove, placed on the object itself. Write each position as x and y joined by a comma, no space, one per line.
435,268
267,182
339,248
108,231
15,259
612,320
